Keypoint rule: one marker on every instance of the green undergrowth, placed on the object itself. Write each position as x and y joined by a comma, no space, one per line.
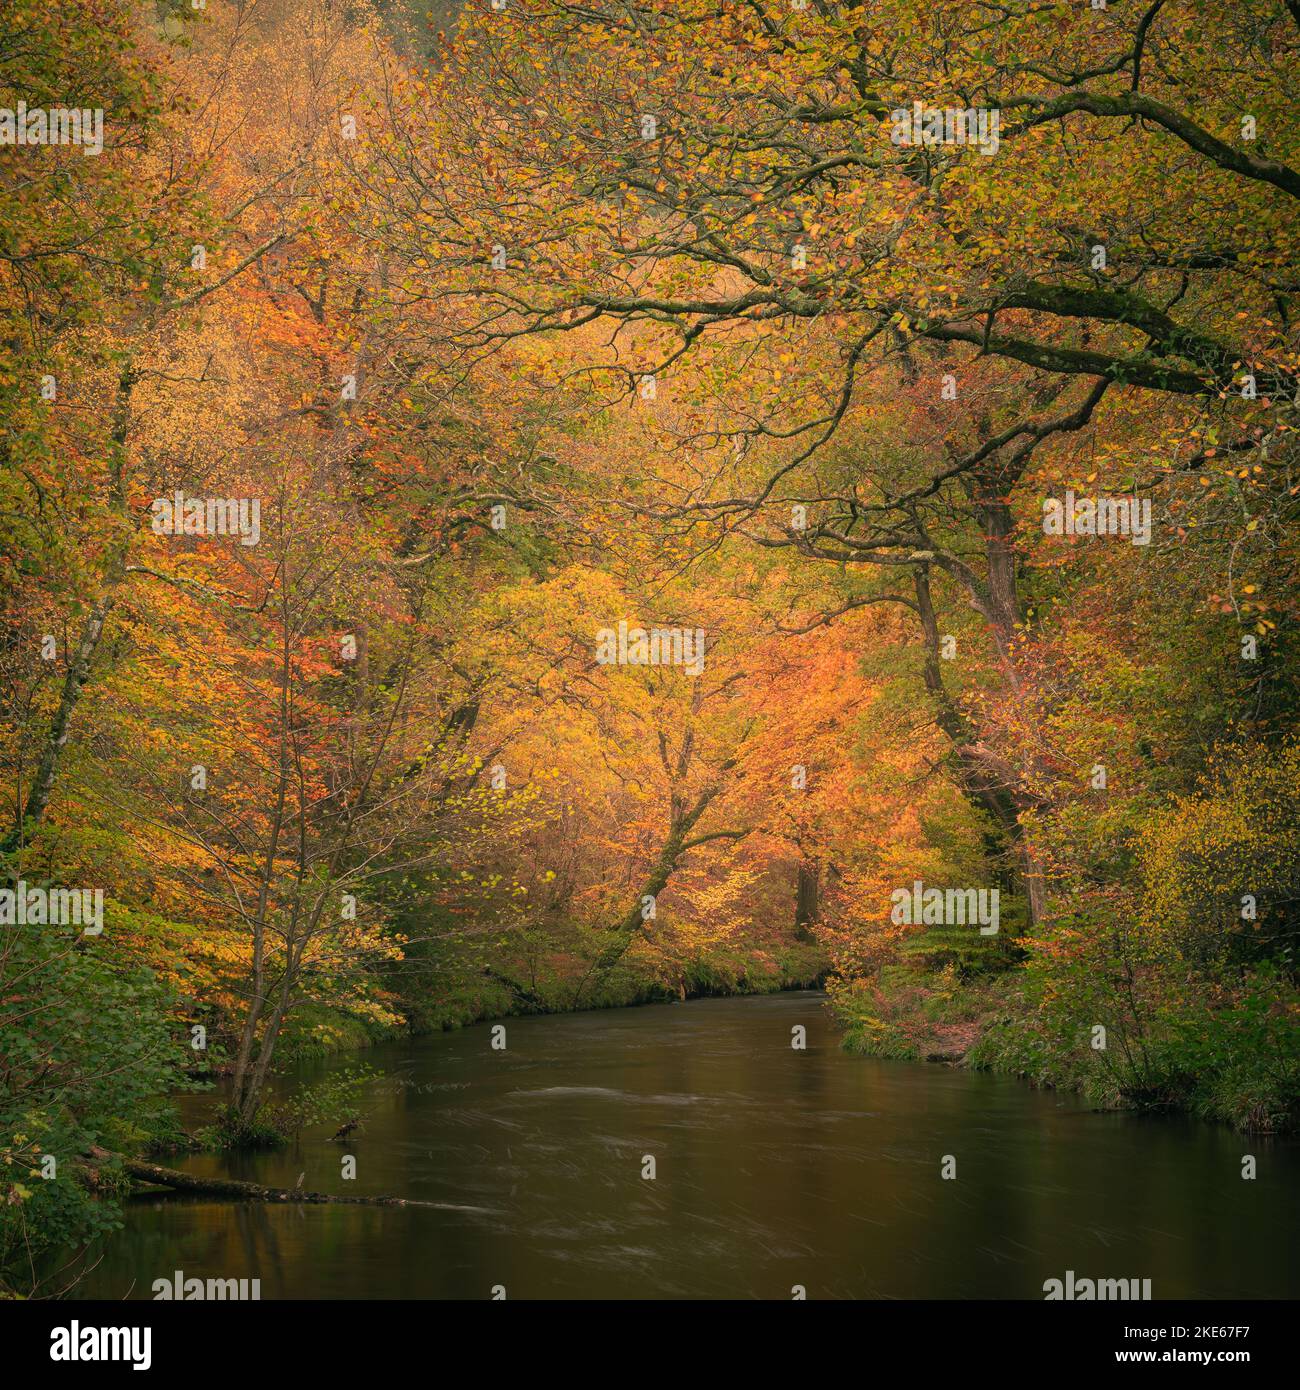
1233,1061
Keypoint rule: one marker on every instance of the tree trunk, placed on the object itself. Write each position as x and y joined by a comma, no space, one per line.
682,822
38,798
806,894
92,631
987,788
251,1191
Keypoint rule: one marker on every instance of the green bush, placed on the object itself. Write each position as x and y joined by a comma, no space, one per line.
89,1059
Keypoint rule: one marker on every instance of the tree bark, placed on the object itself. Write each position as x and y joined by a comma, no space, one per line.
249,1191
38,798
980,782
92,631
805,907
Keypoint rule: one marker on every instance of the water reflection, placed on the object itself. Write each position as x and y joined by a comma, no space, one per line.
775,1168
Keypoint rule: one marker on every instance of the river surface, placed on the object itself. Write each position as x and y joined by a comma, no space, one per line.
774,1168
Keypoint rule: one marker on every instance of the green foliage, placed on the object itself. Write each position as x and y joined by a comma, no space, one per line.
41,1213
330,1101
88,1058
909,1014
1228,1056
964,949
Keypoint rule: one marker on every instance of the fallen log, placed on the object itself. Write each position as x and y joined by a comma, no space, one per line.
252,1191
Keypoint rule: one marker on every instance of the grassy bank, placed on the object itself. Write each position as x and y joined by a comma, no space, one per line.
1234,1062
470,998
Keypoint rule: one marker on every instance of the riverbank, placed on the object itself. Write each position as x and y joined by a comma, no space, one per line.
490,995
1247,1077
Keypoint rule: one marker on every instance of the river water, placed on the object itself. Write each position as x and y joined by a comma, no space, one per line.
774,1168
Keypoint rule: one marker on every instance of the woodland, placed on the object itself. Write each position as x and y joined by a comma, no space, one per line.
544,506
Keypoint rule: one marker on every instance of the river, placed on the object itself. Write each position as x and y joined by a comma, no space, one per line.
774,1168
